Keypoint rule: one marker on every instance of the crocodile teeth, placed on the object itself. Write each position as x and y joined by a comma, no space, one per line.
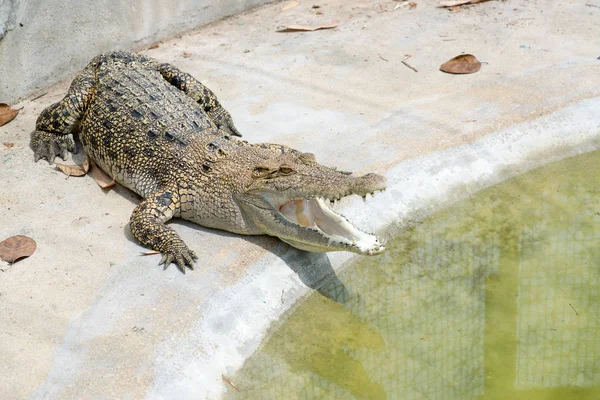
316,215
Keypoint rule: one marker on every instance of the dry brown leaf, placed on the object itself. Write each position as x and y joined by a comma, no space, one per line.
230,382
289,5
101,178
75,170
7,113
454,3
8,144
309,28
16,247
154,46
410,4
149,252
462,64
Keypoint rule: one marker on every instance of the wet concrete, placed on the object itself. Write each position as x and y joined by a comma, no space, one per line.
86,315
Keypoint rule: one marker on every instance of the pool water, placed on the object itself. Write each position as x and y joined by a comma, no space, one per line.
496,297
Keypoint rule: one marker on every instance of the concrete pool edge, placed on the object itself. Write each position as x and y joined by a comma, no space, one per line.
235,321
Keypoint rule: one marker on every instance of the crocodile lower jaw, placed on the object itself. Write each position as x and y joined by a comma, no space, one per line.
314,214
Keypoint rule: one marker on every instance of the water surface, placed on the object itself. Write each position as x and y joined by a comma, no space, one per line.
496,297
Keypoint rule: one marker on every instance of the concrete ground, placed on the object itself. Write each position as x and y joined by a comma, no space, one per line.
87,316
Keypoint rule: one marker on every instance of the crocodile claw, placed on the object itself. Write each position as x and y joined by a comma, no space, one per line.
48,145
181,257
229,127
223,121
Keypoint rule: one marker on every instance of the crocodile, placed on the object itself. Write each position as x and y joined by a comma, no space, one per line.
161,133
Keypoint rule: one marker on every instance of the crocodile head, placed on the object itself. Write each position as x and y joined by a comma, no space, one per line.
288,195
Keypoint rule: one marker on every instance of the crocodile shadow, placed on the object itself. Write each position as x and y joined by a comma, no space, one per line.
313,269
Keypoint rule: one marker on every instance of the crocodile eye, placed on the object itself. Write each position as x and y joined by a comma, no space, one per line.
286,170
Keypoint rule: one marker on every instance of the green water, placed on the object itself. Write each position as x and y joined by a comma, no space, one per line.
497,297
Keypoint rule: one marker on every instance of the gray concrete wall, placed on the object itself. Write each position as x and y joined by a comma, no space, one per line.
43,41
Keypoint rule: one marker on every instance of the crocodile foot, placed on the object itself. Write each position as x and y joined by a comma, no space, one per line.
179,254
230,129
49,145
223,121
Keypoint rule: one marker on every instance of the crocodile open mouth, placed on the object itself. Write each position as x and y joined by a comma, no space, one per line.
314,214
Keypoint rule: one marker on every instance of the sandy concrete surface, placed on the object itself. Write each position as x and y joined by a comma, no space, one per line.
87,317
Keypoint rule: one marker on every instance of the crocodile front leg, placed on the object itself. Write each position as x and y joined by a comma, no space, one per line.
201,95
148,226
54,126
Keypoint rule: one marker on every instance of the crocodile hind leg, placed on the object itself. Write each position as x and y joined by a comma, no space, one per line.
54,126
148,226
201,95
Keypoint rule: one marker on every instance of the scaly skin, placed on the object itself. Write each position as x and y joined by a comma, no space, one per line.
164,135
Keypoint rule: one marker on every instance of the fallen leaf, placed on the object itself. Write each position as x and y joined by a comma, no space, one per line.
230,382
8,144
289,5
7,113
154,46
462,64
453,3
75,170
404,4
186,54
101,177
149,252
309,28
16,247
